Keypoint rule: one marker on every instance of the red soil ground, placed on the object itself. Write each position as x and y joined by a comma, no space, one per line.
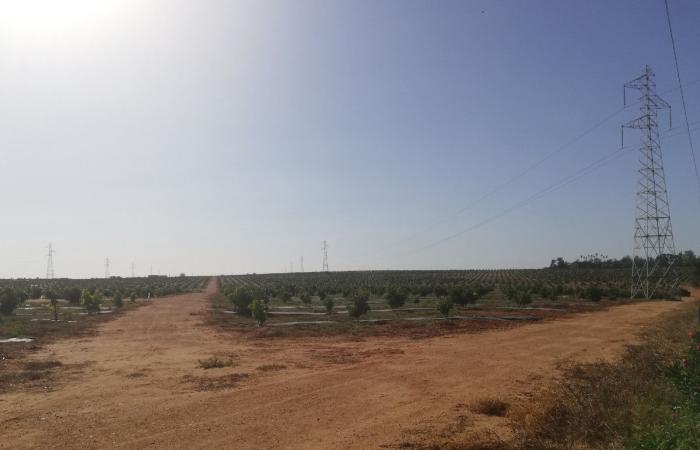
137,383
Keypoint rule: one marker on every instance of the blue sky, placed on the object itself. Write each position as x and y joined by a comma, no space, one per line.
230,137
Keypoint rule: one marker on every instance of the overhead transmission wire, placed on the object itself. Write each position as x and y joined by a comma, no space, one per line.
552,188
680,88
592,167
539,194
524,172
513,179
684,131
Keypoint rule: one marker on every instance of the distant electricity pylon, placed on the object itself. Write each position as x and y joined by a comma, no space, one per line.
325,256
654,249
301,264
49,263
107,267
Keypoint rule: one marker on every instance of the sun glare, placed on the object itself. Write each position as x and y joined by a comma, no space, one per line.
52,19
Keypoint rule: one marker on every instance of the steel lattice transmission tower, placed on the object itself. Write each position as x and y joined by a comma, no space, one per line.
325,256
49,263
654,250
107,267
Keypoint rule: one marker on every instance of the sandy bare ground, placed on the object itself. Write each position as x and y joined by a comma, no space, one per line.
137,383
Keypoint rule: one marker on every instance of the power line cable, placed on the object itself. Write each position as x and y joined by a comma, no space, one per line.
539,194
513,179
684,132
521,174
595,165
680,88
528,170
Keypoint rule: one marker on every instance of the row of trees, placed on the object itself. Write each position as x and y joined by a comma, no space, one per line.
71,289
91,300
396,295
12,295
253,302
523,294
431,283
245,303
598,261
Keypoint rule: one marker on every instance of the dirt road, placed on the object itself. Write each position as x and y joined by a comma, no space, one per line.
137,383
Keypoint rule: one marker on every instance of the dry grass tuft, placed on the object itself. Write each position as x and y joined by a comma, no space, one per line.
271,367
30,374
490,407
42,365
136,375
215,363
204,384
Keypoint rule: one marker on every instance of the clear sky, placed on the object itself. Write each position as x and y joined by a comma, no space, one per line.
213,137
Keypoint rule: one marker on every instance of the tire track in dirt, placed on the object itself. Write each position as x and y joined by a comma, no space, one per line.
143,388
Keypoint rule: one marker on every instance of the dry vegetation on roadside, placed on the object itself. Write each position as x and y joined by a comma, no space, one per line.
632,403
626,404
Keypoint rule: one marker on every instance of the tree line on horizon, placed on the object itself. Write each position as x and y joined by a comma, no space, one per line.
686,258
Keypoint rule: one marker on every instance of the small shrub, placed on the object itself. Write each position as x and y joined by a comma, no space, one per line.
258,310
358,306
520,295
444,306
241,299
329,304
214,363
593,293
546,293
118,300
614,293
72,295
523,298
424,290
305,298
460,295
52,295
132,297
9,300
396,297
286,296
440,290
35,292
91,301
